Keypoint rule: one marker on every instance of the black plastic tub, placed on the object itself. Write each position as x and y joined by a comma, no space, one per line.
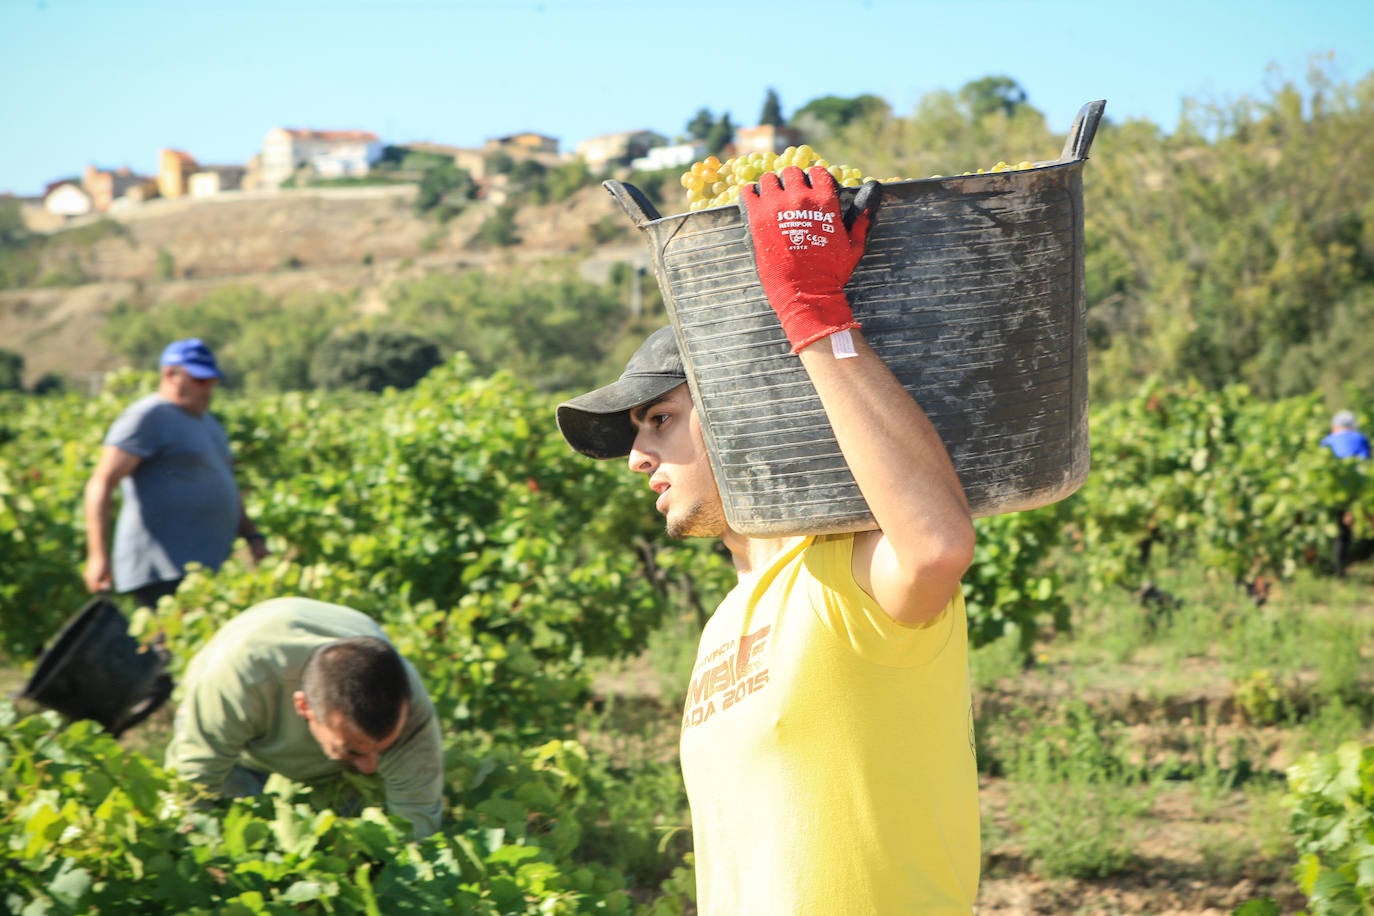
971,289
95,670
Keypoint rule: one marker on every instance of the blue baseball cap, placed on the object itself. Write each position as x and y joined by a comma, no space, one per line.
192,356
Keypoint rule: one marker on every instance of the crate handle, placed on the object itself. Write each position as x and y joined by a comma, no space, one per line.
1081,134
633,201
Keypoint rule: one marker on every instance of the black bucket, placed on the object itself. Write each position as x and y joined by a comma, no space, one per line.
95,670
970,288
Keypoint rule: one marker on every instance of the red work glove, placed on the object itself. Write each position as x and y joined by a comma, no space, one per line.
806,248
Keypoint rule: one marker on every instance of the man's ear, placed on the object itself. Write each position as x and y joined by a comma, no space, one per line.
302,707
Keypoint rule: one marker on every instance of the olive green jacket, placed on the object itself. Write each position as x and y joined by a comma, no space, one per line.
237,709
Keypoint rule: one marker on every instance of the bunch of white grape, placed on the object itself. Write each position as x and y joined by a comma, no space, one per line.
999,167
712,183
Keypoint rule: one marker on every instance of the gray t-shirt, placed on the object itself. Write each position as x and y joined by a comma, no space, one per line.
181,504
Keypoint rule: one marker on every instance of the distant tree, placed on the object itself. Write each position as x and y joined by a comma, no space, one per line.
527,172
392,156
836,112
11,371
19,262
1237,248
50,383
562,181
701,125
772,110
714,133
499,230
368,360
554,330
991,94
544,185
498,162
423,160
721,135
607,229
444,190
166,264
12,228
262,342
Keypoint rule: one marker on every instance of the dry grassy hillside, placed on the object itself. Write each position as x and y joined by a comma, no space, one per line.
355,241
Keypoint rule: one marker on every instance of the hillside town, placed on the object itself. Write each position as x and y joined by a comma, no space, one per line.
297,157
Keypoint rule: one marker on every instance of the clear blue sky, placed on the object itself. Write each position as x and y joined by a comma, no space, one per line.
110,83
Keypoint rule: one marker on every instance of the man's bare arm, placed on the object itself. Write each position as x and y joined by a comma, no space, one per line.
114,465
806,246
913,564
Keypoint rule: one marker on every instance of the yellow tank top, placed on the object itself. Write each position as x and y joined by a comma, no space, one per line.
828,751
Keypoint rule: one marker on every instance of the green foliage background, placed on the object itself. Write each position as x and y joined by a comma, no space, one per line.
1230,275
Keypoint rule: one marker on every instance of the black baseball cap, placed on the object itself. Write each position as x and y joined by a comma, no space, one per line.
597,424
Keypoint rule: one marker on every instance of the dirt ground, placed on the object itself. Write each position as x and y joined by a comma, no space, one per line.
1171,876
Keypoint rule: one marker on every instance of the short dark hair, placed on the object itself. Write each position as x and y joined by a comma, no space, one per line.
361,677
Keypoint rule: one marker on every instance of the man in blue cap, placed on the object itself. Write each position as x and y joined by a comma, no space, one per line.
1345,441
171,460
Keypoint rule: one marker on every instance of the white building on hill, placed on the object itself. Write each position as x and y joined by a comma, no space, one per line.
67,199
320,153
676,156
